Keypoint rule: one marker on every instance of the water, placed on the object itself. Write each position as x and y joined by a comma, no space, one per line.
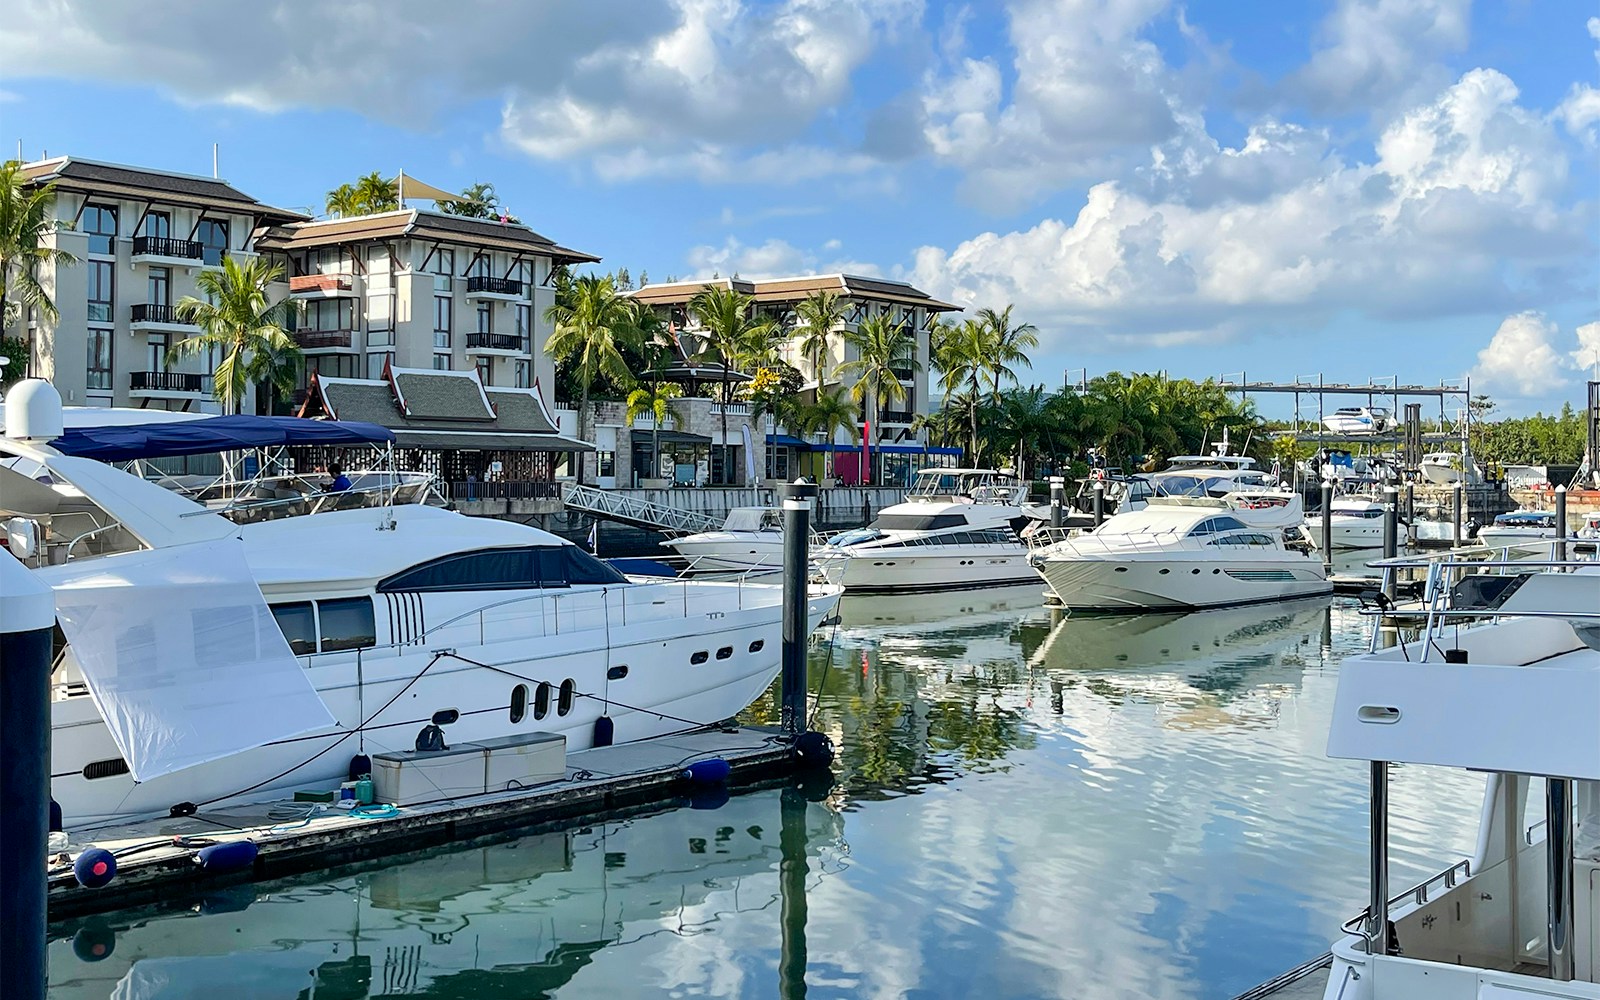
1026,807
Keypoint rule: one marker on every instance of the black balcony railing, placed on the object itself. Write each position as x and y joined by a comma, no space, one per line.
150,312
498,286
494,342
166,382
161,246
896,416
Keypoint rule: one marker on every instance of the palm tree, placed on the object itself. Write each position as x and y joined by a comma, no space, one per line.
591,328
820,313
1005,345
237,317
826,416
343,201
25,221
376,194
959,352
883,348
656,402
729,330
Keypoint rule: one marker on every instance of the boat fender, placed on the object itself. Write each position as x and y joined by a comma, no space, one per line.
813,748
232,856
709,797
94,867
604,731
360,764
55,817
431,738
94,942
711,771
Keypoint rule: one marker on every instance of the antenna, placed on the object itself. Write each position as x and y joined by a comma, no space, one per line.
214,175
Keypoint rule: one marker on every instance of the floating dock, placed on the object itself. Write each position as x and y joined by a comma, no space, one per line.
156,859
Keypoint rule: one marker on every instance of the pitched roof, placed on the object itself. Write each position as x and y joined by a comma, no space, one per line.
416,224
441,410
90,176
796,288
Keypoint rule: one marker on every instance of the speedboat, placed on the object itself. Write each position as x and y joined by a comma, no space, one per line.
1444,469
1359,420
1183,553
1502,682
1356,523
1519,527
208,662
956,530
751,538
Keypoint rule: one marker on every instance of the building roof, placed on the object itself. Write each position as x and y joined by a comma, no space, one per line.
441,410
794,289
413,223
92,177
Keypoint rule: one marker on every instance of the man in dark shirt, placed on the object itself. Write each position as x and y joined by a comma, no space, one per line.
340,481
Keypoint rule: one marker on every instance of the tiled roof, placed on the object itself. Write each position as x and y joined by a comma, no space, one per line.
415,224
794,289
439,395
71,174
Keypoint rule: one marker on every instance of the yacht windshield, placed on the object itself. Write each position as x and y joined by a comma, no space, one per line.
854,536
917,522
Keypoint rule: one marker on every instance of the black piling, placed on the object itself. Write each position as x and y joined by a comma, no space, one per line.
1327,527
1558,551
792,871
1391,536
27,614
797,499
1058,499
1099,501
1457,502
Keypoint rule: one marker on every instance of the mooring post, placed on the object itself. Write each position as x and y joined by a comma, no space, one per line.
792,871
1391,537
1558,875
797,498
1099,501
1456,505
1327,527
1058,496
1559,550
1376,929
1411,511
27,615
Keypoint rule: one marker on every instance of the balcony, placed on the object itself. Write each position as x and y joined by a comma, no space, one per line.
322,286
733,409
160,250
896,417
494,343
166,385
152,317
904,374
481,286
324,340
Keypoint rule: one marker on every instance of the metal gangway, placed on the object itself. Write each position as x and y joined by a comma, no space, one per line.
631,510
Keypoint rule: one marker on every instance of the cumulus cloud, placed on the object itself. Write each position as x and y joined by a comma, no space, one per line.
1521,358
1581,109
774,258
1375,52
1587,356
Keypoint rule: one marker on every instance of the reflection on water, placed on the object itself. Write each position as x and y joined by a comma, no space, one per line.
1027,805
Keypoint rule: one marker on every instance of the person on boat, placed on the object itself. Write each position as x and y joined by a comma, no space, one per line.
340,482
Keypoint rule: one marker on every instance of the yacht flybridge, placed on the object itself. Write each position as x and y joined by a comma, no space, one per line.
209,661
1504,680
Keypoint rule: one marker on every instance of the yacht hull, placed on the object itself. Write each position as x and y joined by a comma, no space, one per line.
926,569
1178,584
727,552
1348,532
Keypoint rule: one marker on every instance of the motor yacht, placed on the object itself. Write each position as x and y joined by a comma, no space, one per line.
1519,527
1502,681
1182,553
1359,420
751,538
956,530
1444,468
210,662
1356,523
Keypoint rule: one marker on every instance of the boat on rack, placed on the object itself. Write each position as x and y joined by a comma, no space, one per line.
1504,681
1356,523
208,661
1182,553
956,530
1443,468
751,538
1359,420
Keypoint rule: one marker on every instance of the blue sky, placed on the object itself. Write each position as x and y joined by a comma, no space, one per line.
1350,187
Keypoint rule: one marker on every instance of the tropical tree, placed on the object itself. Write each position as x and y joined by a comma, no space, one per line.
479,202
26,220
1004,345
958,353
656,401
730,329
591,329
774,389
820,313
830,413
237,317
343,201
884,348
376,194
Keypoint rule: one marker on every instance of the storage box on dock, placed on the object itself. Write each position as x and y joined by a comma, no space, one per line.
410,777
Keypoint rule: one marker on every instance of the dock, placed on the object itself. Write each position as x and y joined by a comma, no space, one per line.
157,858
1307,981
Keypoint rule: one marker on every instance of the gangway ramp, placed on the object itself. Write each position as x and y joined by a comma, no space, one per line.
626,509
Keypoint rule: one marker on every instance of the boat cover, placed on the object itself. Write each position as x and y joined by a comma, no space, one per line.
128,442
182,656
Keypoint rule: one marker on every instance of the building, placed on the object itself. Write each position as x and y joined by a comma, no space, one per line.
141,236
898,444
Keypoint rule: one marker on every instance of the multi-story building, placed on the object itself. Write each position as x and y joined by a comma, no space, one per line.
140,236
897,441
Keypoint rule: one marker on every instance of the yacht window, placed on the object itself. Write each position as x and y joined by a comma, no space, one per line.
541,700
519,703
299,626
564,700
346,623
585,568
854,536
917,522
552,566
490,569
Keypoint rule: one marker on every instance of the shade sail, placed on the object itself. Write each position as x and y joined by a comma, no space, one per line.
409,187
787,441
182,656
211,435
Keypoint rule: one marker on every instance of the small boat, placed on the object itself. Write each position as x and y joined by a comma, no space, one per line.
751,538
1356,523
1519,527
1183,553
1444,468
1359,420
1591,527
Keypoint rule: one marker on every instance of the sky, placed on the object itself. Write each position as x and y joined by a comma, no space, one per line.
1350,188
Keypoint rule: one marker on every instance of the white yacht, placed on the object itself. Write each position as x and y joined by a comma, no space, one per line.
207,661
1504,682
956,530
751,538
1182,553
1357,523
1519,527
1359,420
1196,476
1444,469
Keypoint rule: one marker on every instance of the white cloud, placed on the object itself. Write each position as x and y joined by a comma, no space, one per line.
1521,358
1587,356
1581,110
774,258
1378,52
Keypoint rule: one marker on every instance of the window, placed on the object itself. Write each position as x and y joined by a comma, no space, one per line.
608,463
917,522
485,317
157,225
99,358
525,327
519,703
583,568
213,236
299,625
379,267
564,700
332,365
541,700
441,362
102,282
479,268
156,351
376,362
380,313
441,321
346,623
485,369
1215,524
523,371
443,266
100,222
505,569
328,315
159,287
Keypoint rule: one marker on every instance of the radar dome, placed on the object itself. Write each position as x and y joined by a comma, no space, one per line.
33,411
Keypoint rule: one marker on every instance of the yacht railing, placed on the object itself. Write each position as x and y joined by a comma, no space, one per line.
1420,892
400,488
1083,540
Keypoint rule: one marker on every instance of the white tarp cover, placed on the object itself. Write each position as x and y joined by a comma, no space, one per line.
182,656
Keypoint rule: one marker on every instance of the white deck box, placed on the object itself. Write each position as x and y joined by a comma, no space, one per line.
524,761
407,778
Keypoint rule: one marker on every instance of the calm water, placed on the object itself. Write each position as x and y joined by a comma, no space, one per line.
1026,807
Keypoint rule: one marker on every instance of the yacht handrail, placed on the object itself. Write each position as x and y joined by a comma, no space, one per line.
1138,542
1418,891
421,486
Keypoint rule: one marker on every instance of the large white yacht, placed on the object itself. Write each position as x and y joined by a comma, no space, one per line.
1357,523
206,661
956,530
1520,527
751,538
1513,699
1182,553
